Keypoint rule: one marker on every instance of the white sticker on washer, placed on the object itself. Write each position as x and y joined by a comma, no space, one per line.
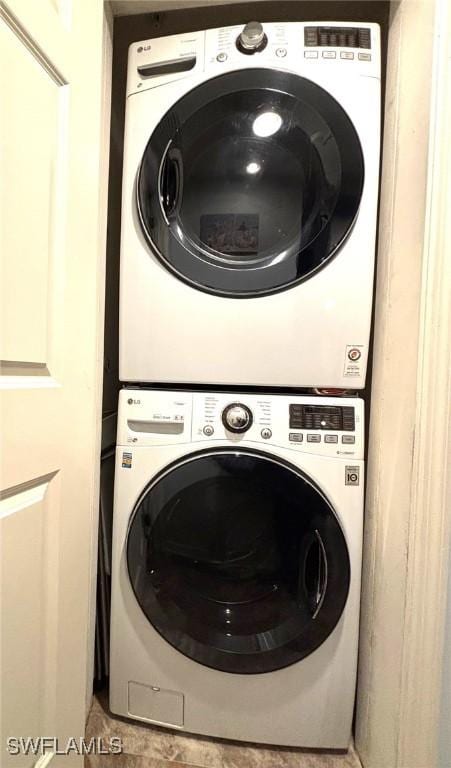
352,475
126,460
353,361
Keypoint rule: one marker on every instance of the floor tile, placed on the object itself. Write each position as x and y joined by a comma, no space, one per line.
129,761
162,748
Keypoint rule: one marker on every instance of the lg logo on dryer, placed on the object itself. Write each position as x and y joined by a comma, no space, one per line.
130,401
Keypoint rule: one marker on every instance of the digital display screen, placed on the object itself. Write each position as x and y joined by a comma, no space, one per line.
337,37
333,418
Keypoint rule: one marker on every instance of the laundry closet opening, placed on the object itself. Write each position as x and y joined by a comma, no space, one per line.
244,248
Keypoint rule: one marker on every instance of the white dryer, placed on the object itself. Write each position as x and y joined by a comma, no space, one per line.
250,188
236,564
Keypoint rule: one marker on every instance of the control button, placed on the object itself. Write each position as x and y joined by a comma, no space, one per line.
208,430
364,56
329,55
221,57
295,437
349,439
346,55
313,438
310,54
364,37
237,417
266,433
348,421
281,52
252,38
311,35
331,438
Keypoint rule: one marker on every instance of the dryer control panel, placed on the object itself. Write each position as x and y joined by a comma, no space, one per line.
327,426
296,45
333,49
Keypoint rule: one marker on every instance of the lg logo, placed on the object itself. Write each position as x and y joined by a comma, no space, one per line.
130,401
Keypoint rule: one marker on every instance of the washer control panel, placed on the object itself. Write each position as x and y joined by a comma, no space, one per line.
328,426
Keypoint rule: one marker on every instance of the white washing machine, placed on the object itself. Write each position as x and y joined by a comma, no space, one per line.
250,188
236,564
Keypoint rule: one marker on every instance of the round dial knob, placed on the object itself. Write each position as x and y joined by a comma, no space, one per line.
252,38
237,417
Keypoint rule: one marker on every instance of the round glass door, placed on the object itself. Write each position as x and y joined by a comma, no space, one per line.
250,183
238,561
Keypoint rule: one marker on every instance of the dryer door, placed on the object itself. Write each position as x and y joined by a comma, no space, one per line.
238,560
250,183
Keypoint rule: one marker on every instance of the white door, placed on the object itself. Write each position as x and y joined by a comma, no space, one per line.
54,113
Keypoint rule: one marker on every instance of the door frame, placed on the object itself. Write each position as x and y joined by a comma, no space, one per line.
106,75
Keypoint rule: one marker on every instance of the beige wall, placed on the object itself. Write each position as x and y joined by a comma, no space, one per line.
404,577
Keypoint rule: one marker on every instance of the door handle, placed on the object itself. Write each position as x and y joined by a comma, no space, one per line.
321,584
183,64
171,181
315,572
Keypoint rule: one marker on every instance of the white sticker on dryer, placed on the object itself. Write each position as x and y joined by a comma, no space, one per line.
353,361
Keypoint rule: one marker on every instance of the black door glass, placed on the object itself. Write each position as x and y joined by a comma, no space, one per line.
250,183
238,561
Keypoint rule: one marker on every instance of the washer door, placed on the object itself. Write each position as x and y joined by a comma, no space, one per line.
250,183
238,560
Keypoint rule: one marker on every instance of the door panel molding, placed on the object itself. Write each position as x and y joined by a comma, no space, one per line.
45,29
24,495
34,233
31,45
44,760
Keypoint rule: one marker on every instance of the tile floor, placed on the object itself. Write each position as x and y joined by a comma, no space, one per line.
147,746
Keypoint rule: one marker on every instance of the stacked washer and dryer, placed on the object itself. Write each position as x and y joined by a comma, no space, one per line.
249,211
